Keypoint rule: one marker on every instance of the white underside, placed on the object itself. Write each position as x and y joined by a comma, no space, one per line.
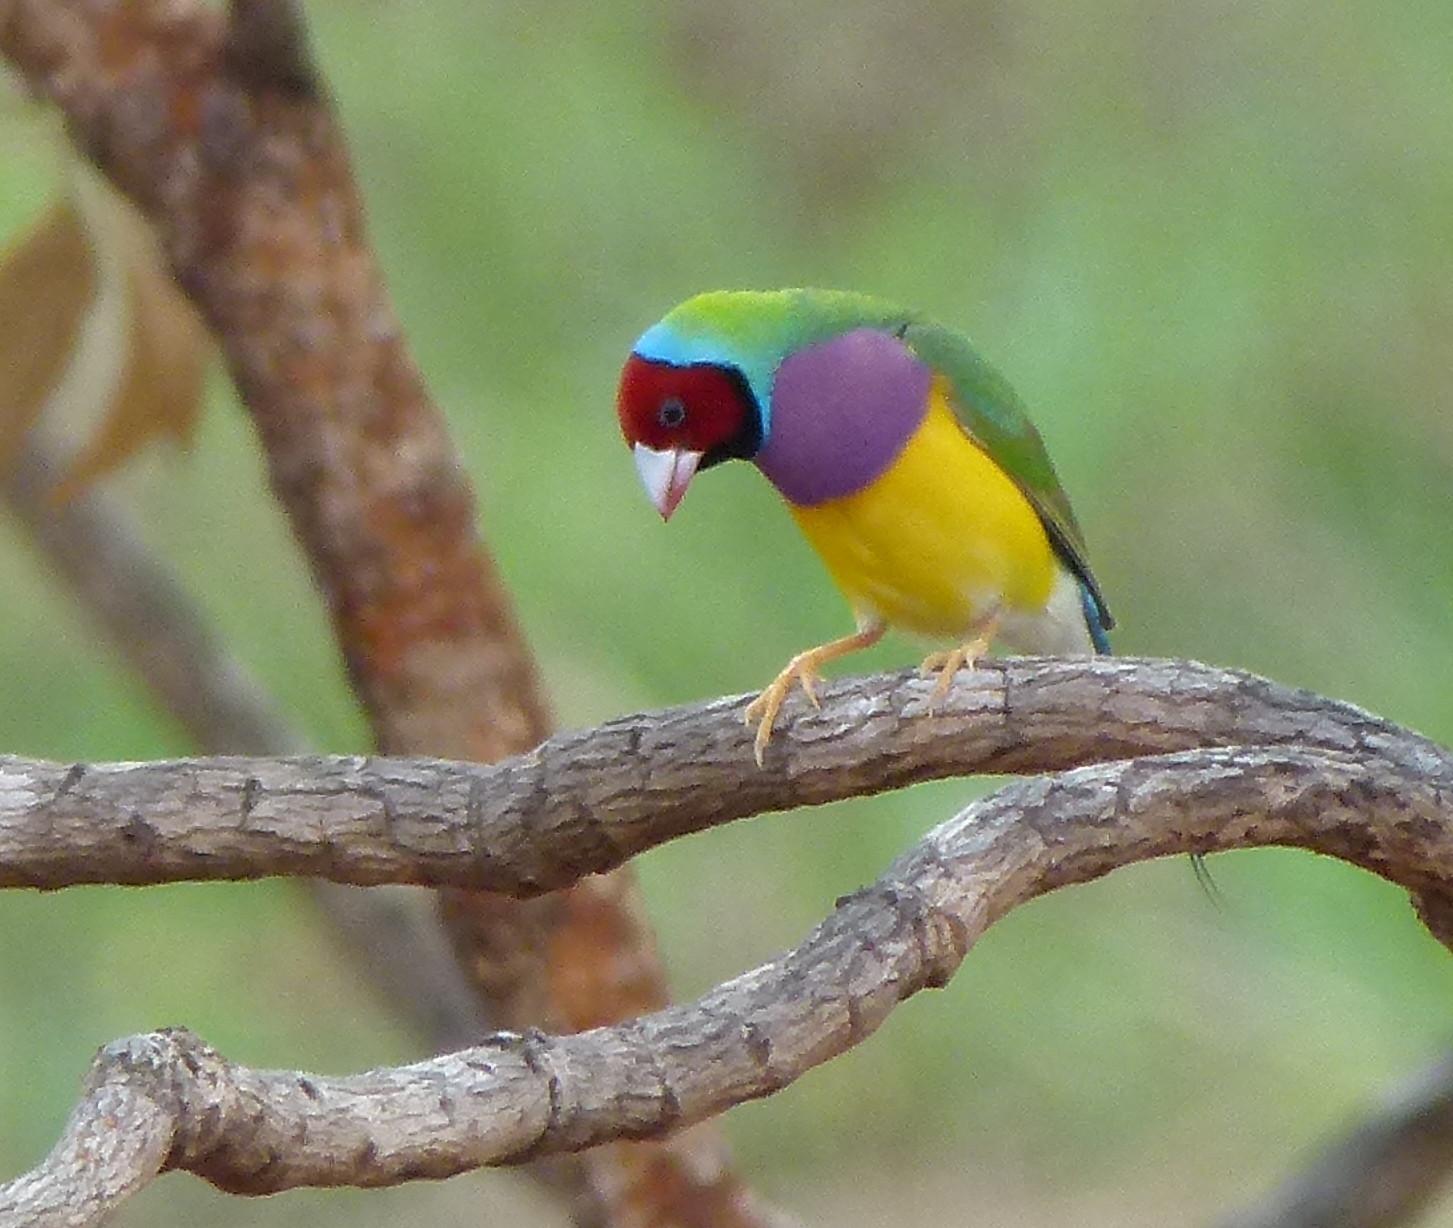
1058,630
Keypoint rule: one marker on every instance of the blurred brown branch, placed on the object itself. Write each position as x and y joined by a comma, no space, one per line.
217,126
180,1105
146,612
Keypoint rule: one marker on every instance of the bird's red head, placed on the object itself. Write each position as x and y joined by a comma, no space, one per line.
678,419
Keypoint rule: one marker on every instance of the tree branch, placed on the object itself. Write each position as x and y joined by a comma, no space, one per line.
93,545
142,607
586,802
216,126
166,1101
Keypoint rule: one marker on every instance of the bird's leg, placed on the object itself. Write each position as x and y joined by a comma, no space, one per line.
948,662
803,668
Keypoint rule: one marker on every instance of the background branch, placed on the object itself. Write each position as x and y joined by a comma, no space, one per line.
216,127
1387,1169
142,607
134,597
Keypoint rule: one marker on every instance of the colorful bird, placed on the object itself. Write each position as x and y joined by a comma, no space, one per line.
904,457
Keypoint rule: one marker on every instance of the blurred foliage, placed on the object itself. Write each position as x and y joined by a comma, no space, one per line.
1209,241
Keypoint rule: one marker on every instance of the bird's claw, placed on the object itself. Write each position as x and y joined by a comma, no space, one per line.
763,710
946,663
802,668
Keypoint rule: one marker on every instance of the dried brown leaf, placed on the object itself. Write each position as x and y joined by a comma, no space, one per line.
158,386
47,286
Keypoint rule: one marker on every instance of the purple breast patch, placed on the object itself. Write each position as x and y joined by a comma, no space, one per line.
841,412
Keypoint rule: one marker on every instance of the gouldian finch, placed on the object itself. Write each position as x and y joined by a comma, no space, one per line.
903,456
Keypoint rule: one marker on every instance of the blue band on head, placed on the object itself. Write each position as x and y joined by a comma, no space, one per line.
663,343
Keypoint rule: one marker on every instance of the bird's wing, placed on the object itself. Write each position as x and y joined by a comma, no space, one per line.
993,417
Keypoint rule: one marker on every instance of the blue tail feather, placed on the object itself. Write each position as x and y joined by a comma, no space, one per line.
1095,620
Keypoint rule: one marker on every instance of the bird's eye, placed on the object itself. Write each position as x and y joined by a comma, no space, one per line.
671,414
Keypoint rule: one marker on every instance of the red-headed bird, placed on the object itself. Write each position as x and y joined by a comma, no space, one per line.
904,457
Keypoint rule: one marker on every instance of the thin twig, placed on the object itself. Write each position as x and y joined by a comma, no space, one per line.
141,605
137,600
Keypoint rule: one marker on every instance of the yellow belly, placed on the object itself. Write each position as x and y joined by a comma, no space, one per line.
939,541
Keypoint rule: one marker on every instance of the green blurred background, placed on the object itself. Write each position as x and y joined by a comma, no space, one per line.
1212,244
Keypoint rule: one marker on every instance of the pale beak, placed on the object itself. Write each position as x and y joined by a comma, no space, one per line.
665,475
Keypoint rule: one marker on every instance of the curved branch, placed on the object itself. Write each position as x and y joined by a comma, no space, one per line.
586,802
167,1102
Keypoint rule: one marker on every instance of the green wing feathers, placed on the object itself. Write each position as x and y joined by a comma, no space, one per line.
992,416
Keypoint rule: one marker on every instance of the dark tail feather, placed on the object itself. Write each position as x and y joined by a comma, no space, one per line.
1096,620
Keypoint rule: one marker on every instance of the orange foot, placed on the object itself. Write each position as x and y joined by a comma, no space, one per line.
803,668
947,663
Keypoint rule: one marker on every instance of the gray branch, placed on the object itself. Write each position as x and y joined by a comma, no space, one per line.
163,1102
587,802
96,549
